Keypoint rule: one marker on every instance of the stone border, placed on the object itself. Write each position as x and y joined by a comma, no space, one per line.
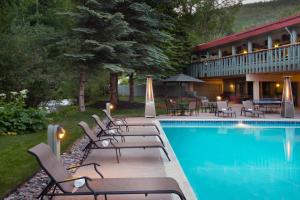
33,186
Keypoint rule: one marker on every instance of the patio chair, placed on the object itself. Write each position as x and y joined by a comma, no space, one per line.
121,122
192,108
96,143
222,107
248,107
171,106
118,132
204,105
62,182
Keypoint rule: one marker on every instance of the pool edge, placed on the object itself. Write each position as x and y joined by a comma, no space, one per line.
174,169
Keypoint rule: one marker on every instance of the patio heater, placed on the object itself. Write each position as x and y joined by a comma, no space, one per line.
149,102
55,134
287,104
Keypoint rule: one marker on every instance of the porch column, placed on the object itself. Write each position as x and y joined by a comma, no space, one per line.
233,50
294,37
250,47
256,90
270,42
220,53
207,55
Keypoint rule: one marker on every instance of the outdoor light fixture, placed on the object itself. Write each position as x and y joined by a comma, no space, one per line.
219,98
277,85
60,133
245,51
150,104
109,107
287,104
55,134
276,45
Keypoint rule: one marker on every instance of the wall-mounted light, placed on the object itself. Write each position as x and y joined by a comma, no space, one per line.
219,98
276,45
245,51
277,85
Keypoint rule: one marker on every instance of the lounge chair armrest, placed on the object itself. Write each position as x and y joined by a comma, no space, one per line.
78,166
122,119
95,167
74,179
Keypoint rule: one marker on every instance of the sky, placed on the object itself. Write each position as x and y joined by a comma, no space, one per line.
252,1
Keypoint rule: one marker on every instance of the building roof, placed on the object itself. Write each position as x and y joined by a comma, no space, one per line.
252,32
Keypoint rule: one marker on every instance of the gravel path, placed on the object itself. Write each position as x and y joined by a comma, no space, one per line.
33,187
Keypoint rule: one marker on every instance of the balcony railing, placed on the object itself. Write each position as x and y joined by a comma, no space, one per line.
282,59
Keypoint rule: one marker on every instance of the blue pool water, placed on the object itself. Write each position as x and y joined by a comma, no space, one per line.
232,160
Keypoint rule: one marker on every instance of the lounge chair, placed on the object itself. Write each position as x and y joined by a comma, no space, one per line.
116,132
248,107
222,107
96,143
121,122
62,182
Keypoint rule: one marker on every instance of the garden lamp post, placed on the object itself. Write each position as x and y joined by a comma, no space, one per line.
109,107
55,134
287,104
150,104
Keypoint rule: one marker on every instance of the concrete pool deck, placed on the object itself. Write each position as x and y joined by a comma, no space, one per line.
150,162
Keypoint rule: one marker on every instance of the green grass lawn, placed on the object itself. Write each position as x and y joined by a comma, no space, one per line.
17,165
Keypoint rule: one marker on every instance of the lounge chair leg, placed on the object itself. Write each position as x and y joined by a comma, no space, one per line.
166,153
105,197
157,129
162,142
117,155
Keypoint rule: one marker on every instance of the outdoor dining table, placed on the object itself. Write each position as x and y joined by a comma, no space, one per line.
269,105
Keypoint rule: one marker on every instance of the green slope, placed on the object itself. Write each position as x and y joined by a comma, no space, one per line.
255,14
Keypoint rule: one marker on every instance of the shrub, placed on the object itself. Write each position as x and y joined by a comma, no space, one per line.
15,118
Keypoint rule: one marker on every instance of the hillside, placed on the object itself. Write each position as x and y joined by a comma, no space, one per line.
255,14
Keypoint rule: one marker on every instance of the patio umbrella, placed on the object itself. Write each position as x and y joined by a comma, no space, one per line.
182,78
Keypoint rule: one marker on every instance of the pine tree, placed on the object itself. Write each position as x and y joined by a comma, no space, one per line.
149,35
98,40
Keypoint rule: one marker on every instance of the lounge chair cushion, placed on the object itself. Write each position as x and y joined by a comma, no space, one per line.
132,186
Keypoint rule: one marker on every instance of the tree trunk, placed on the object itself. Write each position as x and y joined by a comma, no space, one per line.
81,89
114,89
131,88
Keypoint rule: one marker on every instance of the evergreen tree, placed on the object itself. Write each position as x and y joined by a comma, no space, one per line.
149,36
99,41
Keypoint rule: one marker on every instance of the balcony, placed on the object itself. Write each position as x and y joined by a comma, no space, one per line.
276,60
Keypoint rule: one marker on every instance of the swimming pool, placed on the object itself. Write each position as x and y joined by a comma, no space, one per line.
238,160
